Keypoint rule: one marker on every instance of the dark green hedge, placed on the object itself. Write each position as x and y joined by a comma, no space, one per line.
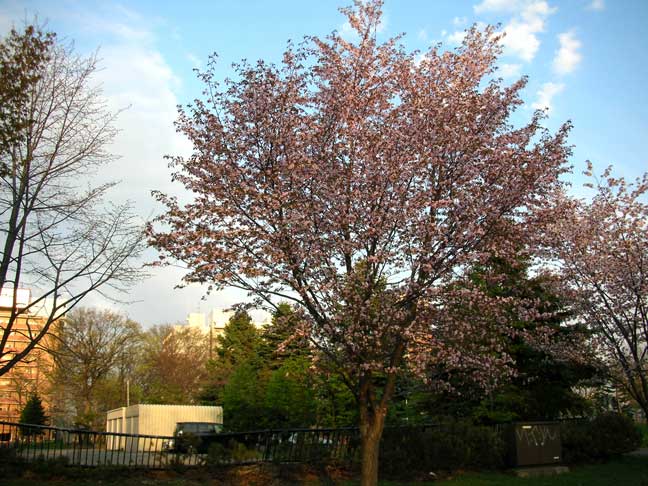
408,452
608,435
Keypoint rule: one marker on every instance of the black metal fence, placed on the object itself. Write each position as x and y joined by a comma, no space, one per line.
461,443
78,447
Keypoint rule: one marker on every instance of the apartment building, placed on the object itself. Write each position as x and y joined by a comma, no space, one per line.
214,322
30,375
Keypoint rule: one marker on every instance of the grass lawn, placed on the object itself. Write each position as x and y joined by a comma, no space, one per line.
625,471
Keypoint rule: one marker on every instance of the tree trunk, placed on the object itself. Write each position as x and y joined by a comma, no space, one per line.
372,423
370,434
373,411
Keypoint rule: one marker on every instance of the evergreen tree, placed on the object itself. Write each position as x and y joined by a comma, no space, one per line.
542,386
290,395
33,414
239,344
242,398
336,405
265,379
280,339
239,341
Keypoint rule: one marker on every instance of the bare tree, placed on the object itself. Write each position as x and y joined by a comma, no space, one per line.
92,346
173,364
59,237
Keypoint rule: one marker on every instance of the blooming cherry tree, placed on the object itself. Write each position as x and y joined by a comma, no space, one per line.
603,248
354,180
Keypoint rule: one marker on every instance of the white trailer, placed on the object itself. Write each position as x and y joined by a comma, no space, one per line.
157,420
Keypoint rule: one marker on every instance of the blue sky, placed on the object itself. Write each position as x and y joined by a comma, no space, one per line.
587,60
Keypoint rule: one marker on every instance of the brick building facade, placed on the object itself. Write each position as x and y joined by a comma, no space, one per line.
30,375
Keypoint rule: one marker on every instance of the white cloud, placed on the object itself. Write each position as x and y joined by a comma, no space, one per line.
546,95
135,75
5,24
597,5
15,14
496,6
422,35
194,60
535,9
522,31
384,20
137,79
459,21
156,301
521,39
510,70
456,37
528,20
131,33
347,32
118,24
567,57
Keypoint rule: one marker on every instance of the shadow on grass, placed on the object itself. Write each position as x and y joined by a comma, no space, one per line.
623,471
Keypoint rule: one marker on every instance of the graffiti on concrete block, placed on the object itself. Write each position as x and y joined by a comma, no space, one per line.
536,435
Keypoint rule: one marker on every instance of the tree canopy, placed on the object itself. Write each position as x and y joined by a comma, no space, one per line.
22,56
91,347
33,413
602,246
354,179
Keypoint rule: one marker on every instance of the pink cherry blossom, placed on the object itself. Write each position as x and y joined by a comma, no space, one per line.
356,182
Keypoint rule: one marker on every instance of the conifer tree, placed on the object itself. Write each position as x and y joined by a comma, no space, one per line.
33,414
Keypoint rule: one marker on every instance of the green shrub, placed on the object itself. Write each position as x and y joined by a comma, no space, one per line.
177,463
408,452
48,468
34,414
609,434
614,434
576,441
487,448
240,453
10,464
232,452
396,452
8,454
643,430
218,454
317,454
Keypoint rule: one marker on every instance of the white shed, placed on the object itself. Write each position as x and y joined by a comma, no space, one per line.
155,420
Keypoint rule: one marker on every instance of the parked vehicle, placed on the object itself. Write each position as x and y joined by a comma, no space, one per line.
194,437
